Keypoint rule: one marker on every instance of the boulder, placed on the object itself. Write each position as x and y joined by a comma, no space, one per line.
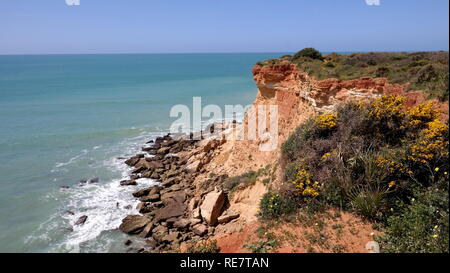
150,242
159,232
147,231
163,150
178,196
142,192
128,183
172,209
93,180
171,237
182,224
212,205
133,224
150,198
200,229
227,218
194,166
132,161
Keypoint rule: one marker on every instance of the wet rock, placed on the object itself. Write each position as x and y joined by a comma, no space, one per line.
128,183
81,220
128,207
132,161
133,224
212,205
64,187
128,242
145,207
200,229
93,180
142,192
70,212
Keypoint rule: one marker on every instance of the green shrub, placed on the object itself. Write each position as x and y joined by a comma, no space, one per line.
422,226
308,52
369,158
274,205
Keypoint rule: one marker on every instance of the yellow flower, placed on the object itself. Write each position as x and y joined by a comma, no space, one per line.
436,170
391,184
434,235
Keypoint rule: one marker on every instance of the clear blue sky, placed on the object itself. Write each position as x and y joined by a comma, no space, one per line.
155,26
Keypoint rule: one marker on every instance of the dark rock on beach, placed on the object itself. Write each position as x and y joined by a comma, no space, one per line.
81,220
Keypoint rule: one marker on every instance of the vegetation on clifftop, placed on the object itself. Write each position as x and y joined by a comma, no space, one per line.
379,159
426,71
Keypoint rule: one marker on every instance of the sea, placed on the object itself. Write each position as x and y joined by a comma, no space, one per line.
65,119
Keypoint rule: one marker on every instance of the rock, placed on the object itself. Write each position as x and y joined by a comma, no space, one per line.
81,220
144,207
200,229
373,247
171,237
142,192
196,214
128,183
132,161
150,198
194,166
193,203
171,221
211,230
93,180
159,232
178,196
70,212
195,221
150,242
128,242
211,206
169,182
147,231
182,224
64,187
128,207
227,218
163,150
172,209
133,224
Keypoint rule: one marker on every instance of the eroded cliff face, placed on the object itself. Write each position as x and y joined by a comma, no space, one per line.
298,97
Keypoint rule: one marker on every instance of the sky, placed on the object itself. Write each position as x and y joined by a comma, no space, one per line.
201,26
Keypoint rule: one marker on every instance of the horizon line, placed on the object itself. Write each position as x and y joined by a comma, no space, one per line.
237,52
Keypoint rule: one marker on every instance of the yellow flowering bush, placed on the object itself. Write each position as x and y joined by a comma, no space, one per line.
432,143
387,107
304,183
327,121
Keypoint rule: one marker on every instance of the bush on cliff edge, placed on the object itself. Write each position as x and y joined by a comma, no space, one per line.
373,158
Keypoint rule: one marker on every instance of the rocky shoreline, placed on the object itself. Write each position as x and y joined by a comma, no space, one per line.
176,211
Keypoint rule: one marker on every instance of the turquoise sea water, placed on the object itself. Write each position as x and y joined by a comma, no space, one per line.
64,118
